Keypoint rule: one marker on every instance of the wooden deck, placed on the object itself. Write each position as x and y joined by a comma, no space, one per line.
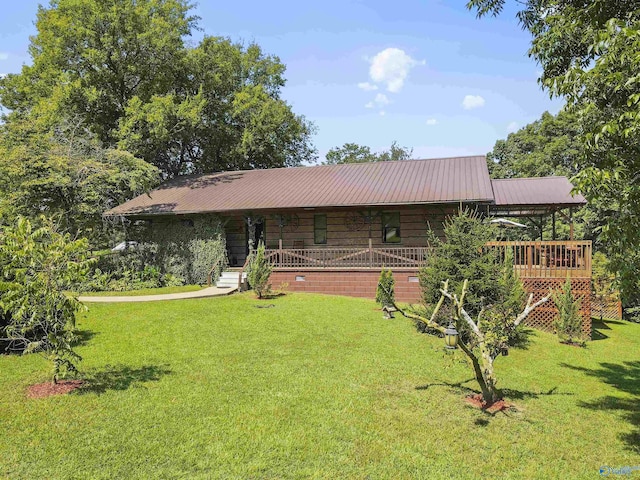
544,259
548,259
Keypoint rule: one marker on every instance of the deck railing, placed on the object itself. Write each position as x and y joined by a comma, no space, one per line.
346,257
548,259
543,259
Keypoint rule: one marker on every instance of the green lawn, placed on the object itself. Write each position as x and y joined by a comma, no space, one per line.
314,387
145,291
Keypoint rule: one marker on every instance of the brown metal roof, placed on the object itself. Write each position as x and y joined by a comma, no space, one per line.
442,180
535,191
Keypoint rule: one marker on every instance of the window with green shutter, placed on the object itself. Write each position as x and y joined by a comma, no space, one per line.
391,227
320,228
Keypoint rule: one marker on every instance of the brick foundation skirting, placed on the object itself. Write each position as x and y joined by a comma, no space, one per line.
363,284
351,283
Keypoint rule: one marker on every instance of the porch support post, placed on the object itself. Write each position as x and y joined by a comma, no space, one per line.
279,252
541,226
553,225
370,253
570,223
251,230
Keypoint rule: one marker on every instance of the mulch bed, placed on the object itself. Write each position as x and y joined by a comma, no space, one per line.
477,401
48,389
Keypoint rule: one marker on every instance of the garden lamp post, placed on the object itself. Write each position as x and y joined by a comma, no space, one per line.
451,337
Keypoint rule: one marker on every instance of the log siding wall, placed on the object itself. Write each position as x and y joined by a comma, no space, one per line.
345,228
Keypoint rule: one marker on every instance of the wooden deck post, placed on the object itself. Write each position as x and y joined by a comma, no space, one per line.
280,252
570,223
370,253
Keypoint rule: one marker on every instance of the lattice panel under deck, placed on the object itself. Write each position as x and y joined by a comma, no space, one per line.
544,317
606,308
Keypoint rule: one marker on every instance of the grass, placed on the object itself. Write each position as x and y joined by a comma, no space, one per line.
313,387
145,291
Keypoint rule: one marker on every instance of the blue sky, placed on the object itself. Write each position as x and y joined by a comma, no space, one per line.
425,73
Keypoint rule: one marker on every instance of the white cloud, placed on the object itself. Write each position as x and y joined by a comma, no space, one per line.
4,55
432,121
391,67
472,101
2,75
512,127
380,101
367,87
382,113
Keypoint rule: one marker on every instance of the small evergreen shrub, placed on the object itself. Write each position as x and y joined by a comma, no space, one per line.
385,293
259,271
492,282
569,322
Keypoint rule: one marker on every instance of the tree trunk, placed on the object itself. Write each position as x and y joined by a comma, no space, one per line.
490,393
483,369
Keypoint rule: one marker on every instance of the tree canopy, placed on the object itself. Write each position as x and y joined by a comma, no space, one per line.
354,153
123,67
65,173
590,55
548,146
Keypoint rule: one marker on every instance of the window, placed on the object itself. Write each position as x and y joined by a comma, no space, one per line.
320,229
391,227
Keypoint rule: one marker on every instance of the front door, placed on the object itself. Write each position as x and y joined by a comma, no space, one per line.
255,233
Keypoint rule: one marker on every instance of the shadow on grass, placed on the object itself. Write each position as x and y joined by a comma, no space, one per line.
626,378
598,327
121,378
272,295
507,394
523,339
83,337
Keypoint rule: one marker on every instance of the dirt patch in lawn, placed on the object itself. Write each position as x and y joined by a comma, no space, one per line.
499,406
48,389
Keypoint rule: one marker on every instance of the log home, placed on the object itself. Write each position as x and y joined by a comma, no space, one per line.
331,228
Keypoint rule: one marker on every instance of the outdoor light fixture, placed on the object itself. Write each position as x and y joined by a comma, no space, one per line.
451,337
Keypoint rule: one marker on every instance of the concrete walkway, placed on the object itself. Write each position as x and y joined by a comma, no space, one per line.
205,292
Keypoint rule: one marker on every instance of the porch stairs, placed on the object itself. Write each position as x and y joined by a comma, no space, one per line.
230,279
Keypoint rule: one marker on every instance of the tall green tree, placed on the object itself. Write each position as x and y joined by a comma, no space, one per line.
224,113
65,173
590,55
124,68
354,153
549,146
94,56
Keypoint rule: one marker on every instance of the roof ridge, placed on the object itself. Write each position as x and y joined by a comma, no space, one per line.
194,175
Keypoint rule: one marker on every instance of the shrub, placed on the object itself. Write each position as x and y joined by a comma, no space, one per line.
168,252
632,314
569,322
259,271
38,265
385,293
